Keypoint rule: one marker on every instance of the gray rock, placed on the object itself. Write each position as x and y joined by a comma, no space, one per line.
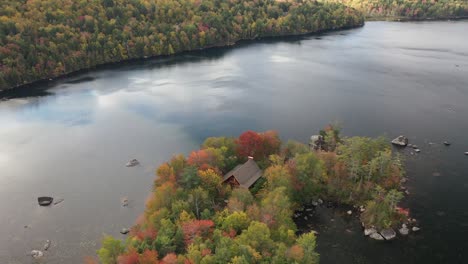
404,231
376,236
124,231
37,254
417,150
388,234
400,141
46,245
306,218
132,163
315,204
349,212
124,201
369,231
415,228
45,200
466,153
446,143
320,201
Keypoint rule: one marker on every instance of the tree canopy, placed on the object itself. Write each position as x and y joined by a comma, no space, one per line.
193,217
42,39
409,9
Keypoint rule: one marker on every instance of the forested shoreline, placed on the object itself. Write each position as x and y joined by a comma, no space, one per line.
195,215
409,10
50,38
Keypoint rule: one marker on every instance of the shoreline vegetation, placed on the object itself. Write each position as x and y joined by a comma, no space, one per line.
41,40
195,215
44,40
408,10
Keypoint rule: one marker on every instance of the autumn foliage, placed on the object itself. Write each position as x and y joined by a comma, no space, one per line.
193,217
258,145
192,229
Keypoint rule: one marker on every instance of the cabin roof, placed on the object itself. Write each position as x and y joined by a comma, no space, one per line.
246,174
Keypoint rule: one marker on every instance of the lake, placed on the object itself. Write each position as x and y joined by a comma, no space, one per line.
71,138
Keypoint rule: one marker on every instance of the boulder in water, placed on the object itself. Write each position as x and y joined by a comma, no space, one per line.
47,245
37,254
404,230
349,212
124,231
124,201
369,231
45,200
446,143
376,236
415,228
132,163
388,233
400,141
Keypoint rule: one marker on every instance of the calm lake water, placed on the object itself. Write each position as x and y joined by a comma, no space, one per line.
71,139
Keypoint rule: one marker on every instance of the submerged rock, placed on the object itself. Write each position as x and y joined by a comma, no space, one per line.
132,163
388,233
124,201
400,141
404,230
59,200
46,245
376,236
37,254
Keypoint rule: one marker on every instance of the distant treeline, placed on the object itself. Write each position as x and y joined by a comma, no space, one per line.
409,9
42,39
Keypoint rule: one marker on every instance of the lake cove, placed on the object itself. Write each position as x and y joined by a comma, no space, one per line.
73,139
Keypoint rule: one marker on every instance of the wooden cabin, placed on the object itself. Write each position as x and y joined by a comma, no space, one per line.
243,175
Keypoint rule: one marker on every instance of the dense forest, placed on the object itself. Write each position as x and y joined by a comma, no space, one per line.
409,9
192,216
42,39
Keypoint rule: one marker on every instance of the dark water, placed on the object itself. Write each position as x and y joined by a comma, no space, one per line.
72,139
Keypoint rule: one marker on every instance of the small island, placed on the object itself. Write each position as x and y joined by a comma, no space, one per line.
235,199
